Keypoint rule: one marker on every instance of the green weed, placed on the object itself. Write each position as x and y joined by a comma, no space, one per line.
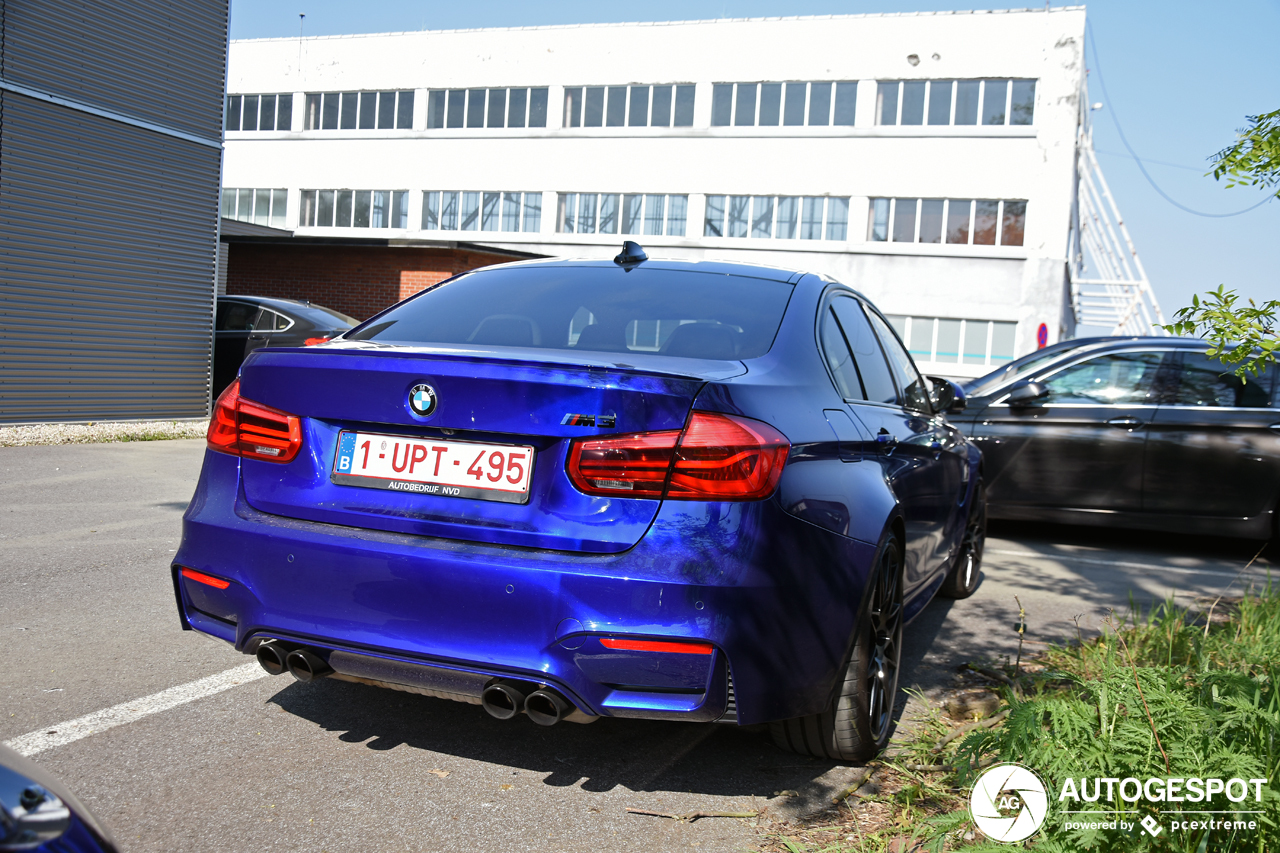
1167,694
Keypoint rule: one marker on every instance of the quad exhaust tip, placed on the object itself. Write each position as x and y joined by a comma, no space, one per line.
271,657
503,699
546,707
277,658
305,666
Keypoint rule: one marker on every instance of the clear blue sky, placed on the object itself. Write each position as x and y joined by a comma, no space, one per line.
1182,76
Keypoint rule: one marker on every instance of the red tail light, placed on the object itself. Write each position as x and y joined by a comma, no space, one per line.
244,428
310,342
716,457
728,458
633,465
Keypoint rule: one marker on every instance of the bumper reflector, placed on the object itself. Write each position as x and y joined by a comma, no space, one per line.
209,580
680,648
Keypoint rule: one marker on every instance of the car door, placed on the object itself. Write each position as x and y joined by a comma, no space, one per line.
900,421
233,323
939,447
269,326
1081,447
1214,449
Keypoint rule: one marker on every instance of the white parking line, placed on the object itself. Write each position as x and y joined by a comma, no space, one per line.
1123,565
127,712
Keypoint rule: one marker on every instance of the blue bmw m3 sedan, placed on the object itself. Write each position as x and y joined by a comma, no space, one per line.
574,489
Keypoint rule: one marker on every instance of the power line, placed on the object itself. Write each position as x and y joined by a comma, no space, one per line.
1097,66
1199,169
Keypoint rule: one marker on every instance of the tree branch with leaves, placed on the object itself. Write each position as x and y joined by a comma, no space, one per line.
1239,334
1254,159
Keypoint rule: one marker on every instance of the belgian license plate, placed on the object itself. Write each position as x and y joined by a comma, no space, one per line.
429,466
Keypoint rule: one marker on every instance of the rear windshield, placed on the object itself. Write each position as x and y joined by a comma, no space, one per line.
665,312
325,317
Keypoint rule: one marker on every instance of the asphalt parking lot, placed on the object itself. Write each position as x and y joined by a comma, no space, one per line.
88,623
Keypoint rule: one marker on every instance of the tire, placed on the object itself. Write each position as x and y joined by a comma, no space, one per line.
962,579
857,723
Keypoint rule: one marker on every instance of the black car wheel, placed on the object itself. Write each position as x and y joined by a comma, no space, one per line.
857,723
962,580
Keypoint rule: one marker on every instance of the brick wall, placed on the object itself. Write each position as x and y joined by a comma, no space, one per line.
356,280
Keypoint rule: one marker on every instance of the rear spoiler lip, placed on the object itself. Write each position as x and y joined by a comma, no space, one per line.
635,363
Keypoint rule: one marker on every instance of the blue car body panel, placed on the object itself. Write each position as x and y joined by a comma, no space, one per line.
527,591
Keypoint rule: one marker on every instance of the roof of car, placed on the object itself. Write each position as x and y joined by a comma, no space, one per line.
277,301
711,267
1162,340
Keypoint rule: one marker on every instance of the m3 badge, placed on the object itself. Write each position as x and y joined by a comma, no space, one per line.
601,421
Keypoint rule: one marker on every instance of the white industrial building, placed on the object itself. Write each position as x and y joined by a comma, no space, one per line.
940,163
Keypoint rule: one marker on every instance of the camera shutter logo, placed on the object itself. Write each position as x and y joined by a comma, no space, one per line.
422,399
1001,791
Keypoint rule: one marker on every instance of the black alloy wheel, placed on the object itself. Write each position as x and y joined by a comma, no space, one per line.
886,646
856,725
962,579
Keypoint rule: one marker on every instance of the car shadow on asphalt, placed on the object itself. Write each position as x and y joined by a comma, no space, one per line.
641,755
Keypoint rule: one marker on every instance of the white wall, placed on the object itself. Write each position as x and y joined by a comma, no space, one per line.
1034,163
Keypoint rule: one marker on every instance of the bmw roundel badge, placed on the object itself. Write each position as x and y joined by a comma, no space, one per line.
422,399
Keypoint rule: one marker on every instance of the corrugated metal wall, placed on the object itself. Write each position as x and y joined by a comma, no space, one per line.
108,231
163,62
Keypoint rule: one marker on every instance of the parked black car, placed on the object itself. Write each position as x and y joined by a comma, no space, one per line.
245,323
1129,432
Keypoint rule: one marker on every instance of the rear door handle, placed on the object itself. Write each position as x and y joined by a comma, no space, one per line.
886,438
1131,423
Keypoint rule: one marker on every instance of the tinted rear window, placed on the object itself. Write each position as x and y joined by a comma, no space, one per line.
324,317
665,312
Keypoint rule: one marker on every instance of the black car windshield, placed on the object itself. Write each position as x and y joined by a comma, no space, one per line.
653,310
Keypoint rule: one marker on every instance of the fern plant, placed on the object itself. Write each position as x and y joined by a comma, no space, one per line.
1158,698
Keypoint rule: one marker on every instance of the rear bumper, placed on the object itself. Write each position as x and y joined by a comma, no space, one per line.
776,597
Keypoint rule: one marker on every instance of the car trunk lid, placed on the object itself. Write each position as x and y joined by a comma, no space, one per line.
509,400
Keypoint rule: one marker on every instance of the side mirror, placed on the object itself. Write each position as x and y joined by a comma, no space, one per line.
945,395
1026,393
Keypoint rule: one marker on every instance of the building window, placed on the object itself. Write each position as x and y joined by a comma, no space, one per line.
939,102
259,112
817,104
261,207
622,213
453,210
780,217
629,106
355,209
978,222
942,340
359,111
486,108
